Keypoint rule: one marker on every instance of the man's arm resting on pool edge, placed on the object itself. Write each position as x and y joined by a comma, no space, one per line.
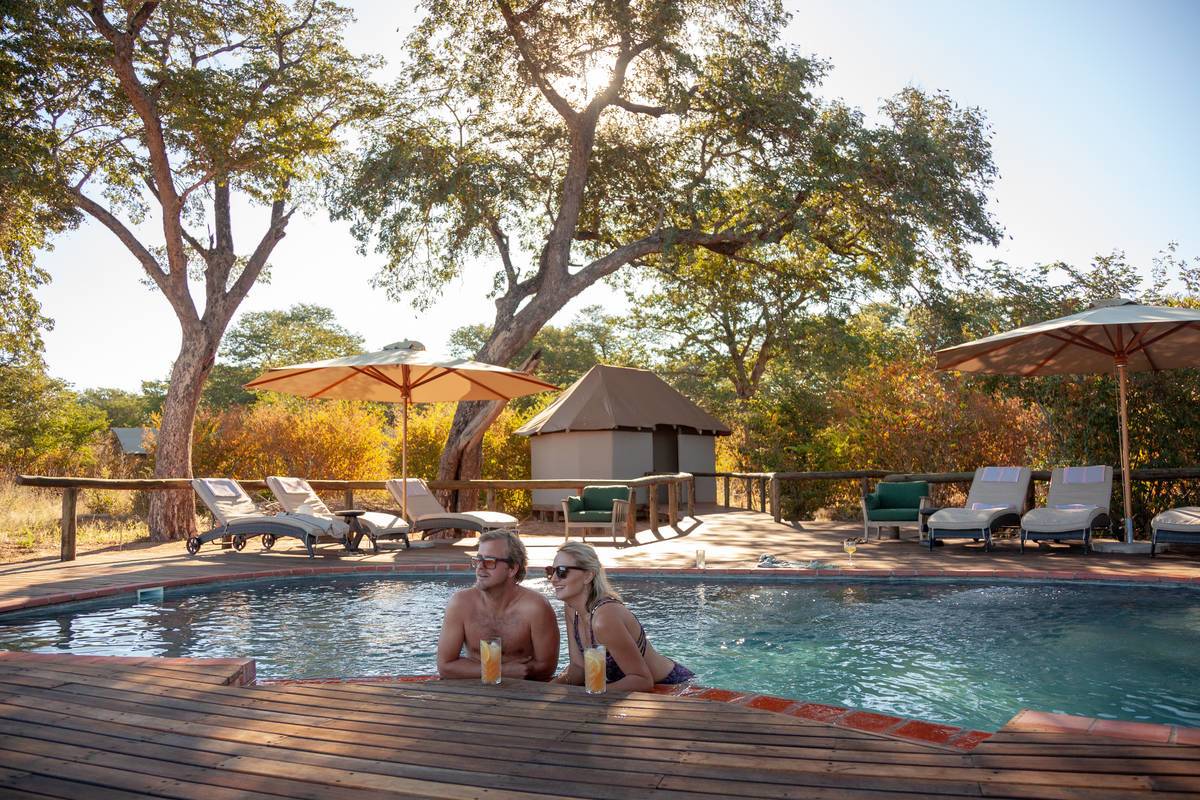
450,662
543,630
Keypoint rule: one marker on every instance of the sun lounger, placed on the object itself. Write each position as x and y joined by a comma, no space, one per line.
427,514
995,500
1078,501
299,499
237,516
1181,525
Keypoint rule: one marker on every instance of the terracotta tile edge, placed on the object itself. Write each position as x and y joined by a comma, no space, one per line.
1028,720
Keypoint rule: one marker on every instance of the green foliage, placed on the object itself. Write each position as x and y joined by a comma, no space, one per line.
707,132
263,339
592,337
288,436
123,409
43,425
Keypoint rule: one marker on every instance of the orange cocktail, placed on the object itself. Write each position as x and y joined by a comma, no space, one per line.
595,673
489,660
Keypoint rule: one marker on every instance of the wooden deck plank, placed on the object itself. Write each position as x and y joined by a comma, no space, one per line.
83,730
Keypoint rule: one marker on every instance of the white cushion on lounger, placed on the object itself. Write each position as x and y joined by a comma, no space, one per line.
423,507
964,519
1061,520
215,494
1186,518
226,499
1092,474
299,499
1000,474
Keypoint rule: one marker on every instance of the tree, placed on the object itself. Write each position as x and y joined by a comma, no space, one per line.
593,337
729,320
263,339
123,409
176,108
569,141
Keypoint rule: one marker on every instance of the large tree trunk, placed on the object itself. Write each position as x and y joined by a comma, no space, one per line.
173,514
462,459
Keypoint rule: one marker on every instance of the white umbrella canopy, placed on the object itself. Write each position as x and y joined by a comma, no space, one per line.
404,373
1116,335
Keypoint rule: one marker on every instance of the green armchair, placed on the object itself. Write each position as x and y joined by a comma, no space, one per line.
894,503
598,507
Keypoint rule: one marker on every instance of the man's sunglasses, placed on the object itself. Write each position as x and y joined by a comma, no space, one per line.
488,562
561,571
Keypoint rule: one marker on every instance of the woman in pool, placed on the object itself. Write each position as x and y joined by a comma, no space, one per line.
596,615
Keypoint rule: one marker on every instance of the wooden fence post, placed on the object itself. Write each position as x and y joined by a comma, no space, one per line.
775,506
673,504
490,502
691,494
652,497
348,498
749,493
67,549
726,477
762,495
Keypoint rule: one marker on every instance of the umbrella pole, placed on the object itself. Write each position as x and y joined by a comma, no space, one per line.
404,461
1127,493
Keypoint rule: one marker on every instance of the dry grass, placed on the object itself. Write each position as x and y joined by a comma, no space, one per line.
30,520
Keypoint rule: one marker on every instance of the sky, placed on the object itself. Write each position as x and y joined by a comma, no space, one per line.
1094,106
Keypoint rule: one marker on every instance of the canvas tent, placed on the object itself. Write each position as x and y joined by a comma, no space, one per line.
617,422
133,441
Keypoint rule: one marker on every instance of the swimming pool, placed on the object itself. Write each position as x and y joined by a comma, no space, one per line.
963,654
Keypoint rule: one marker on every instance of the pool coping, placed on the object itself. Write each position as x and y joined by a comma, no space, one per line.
905,729
1025,576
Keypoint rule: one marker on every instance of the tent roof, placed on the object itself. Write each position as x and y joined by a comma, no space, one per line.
620,398
133,440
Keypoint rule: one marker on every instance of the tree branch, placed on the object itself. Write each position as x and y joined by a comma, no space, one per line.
638,108
556,100
180,301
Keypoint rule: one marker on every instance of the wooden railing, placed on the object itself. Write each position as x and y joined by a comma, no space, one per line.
71,487
766,484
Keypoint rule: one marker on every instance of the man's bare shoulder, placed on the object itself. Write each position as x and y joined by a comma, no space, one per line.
532,600
464,598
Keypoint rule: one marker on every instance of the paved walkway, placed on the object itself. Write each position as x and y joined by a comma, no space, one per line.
732,539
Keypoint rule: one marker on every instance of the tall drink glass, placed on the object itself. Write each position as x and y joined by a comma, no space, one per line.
595,673
489,660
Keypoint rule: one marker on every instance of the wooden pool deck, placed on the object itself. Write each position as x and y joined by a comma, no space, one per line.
733,540
91,727
76,727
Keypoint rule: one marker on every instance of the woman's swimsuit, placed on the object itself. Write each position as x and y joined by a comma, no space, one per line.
678,674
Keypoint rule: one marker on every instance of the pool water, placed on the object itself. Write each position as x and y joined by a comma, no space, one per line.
963,654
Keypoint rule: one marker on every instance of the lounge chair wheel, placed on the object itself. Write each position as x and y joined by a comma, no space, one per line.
239,543
268,541
193,545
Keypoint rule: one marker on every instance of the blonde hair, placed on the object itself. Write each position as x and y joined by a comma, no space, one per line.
516,548
585,556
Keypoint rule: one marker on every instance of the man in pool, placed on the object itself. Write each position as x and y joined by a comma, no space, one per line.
497,605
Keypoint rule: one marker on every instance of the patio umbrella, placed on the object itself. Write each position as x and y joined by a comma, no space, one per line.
401,373
1112,334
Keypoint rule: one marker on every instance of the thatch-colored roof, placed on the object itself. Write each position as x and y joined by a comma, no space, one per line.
133,440
620,398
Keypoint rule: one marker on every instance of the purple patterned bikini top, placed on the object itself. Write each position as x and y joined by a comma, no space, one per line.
613,672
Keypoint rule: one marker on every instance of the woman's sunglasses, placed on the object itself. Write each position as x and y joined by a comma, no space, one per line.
561,571
488,562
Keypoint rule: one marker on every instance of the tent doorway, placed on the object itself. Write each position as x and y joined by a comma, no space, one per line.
665,455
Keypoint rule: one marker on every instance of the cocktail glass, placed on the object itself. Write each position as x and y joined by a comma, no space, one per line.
850,546
595,674
489,660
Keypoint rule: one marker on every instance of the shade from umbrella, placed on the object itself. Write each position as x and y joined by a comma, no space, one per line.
404,373
1118,335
